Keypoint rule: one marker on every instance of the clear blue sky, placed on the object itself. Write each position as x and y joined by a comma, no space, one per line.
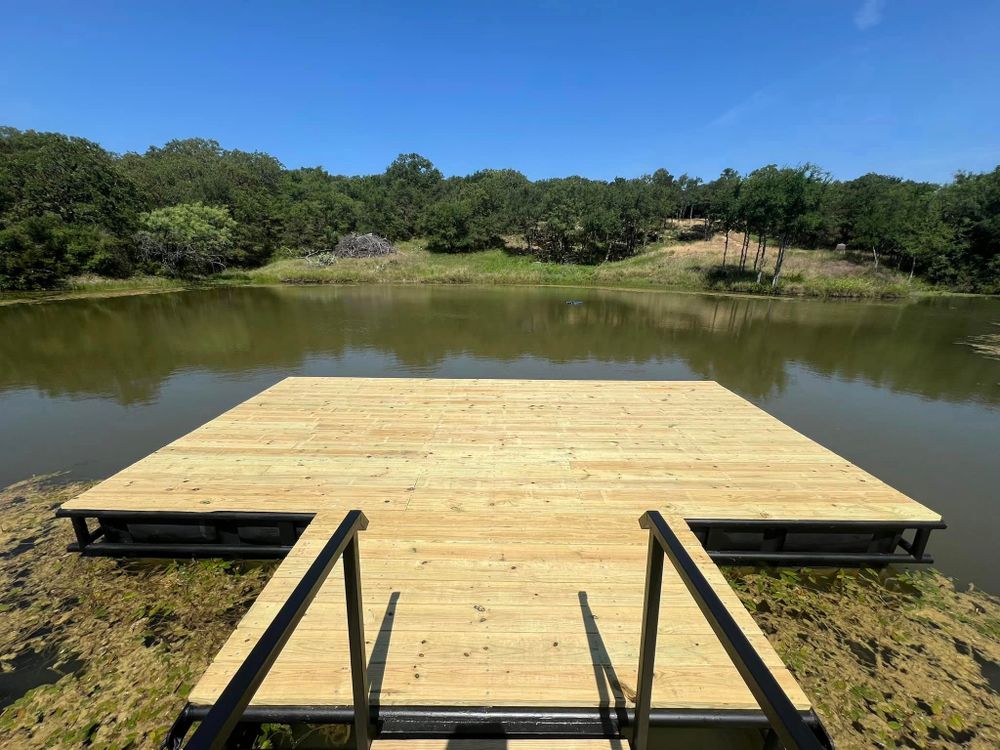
908,87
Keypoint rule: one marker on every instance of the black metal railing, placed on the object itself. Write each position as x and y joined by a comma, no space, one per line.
225,714
786,722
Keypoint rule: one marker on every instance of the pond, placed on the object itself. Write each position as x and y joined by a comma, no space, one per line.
89,386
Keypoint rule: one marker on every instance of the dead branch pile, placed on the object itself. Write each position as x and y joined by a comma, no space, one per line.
353,246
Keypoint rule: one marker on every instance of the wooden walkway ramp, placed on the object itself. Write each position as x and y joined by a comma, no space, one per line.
481,610
503,565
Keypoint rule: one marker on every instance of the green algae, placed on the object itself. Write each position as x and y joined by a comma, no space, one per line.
891,659
140,633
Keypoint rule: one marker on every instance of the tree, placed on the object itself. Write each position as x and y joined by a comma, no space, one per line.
690,193
500,198
70,196
761,206
196,170
33,254
318,210
187,240
665,194
447,225
72,178
633,216
970,208
723,203
878,214
68,206
801,189
412,183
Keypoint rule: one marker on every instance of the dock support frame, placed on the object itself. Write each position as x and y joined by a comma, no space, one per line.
773,541
887,543
221,534
507,722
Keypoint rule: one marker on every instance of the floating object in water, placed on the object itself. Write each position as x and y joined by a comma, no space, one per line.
574,302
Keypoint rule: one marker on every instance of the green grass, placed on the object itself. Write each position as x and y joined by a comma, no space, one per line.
93,283
98,286
688,267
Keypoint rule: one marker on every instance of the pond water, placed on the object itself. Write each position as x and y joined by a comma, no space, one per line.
90,386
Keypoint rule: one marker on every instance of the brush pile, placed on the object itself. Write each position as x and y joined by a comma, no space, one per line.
353,246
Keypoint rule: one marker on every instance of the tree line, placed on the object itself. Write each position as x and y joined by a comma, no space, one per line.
191,207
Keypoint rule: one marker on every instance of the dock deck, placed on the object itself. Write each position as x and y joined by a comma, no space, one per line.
503,565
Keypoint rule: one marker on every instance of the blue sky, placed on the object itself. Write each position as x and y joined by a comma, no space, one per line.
551,88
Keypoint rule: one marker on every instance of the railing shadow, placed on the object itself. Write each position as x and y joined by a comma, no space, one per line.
604,671
458,743
380,649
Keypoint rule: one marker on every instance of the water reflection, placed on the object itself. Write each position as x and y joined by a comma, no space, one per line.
124,348
90,386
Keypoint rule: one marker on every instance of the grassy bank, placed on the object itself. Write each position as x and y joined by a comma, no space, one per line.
890,661
690,266
80,287
694,266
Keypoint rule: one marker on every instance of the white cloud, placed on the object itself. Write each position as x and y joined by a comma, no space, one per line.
758,101
869,14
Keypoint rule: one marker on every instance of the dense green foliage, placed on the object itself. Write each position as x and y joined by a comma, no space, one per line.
67,207
189,239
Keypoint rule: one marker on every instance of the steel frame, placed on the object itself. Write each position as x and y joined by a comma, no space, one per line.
102,540
885,537
498,722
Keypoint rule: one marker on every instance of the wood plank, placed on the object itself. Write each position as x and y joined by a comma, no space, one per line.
503,564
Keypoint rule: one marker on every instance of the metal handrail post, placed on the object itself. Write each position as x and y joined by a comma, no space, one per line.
225,714
784,718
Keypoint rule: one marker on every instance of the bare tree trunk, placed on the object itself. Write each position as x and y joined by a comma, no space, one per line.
744,249
913,265
779,262
875,255
706,227
725,250
756,257
763,253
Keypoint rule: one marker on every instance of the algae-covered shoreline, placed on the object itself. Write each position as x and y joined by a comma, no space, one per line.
890,658
140,633
899,660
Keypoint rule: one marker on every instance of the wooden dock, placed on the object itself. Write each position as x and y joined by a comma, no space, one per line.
503,565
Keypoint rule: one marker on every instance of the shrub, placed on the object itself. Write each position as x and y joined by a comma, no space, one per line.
187,240
33,254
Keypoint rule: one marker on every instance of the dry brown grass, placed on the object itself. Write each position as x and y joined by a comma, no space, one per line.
988,344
